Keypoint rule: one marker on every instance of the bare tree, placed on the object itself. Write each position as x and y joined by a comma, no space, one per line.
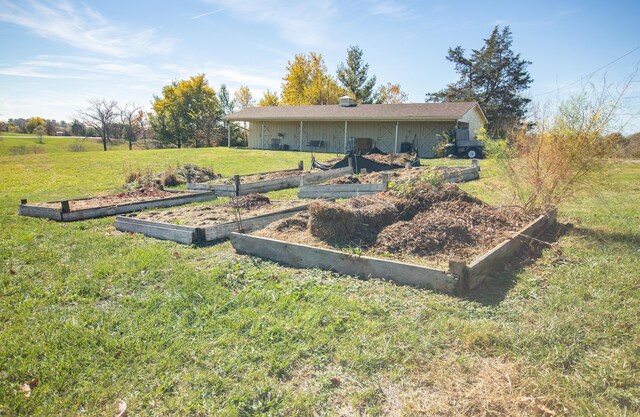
100,115
129,119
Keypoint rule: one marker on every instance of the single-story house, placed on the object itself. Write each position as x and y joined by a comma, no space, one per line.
348,126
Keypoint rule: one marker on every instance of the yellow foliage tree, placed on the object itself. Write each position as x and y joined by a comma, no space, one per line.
308,82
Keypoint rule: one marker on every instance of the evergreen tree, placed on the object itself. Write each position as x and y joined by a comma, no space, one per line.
353,76
494,76
226,104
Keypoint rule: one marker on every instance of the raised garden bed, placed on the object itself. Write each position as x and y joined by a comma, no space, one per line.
377,182
110,205
207,223
450,245
265,182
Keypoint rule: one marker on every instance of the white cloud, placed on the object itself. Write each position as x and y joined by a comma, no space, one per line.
83,28
303,23
390,9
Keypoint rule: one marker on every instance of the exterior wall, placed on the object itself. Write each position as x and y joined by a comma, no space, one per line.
423,135
475,120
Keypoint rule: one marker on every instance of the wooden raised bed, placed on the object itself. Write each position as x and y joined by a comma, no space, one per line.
240,188
458,279
65,214
192,234
354,190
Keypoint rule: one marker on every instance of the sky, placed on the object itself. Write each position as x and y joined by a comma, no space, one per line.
56,55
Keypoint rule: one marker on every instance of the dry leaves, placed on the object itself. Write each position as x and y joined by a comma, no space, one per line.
122,409
27,387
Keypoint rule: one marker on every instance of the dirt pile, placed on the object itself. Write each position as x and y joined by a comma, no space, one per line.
194,174
358,221
248,202
391,159
144,190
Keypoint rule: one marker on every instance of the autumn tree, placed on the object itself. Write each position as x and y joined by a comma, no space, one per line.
353,75
269,98
390,94
129,118
243,97
101,115
495,77
33,123
187,114
308,82
40,131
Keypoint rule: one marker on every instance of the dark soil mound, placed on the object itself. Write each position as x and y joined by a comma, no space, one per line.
349,179
422,196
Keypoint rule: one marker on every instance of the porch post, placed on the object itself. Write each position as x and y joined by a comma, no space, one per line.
345,136
300,135
262,135
396,146
229,133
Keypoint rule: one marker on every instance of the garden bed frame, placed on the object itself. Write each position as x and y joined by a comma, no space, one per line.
198,235
64,214
460,277
239,188
354,190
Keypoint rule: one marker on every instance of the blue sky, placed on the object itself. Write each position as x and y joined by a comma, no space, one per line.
56,55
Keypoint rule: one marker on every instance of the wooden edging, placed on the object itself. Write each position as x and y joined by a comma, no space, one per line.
190,234
303,256
229,190
458,279
65,215
484,266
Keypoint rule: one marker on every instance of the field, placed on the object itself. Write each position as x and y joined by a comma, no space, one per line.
98,316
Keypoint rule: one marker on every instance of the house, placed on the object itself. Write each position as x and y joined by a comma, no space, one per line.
347,126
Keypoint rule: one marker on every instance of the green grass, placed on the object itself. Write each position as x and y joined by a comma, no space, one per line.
98,316
26,144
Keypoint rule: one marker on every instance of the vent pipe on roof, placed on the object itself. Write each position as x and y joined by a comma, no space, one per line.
346,101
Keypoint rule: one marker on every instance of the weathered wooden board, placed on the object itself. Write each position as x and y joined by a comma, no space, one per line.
92,213
483,267
229,190
190,234
340,190
303,256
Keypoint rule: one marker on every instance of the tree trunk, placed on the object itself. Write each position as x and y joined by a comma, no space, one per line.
104,143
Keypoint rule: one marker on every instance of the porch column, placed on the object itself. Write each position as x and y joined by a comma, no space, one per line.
345,136
229,133
262,135
300,135
396,146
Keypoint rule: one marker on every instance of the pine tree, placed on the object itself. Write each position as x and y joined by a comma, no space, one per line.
353,76
495,77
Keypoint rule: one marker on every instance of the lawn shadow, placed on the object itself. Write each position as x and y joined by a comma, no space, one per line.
496,287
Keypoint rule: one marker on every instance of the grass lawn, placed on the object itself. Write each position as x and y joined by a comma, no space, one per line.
98,316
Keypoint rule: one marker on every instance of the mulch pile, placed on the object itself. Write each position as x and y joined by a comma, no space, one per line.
396,159
145,190
248,202
426,221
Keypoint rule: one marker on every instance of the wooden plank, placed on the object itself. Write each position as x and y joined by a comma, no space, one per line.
303,256
270,185
322,176
340,190
222,231
158,230
483,267
143,205
41,212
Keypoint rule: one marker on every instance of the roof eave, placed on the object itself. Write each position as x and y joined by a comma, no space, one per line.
342,119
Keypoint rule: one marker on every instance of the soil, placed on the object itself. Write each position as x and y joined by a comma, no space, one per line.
214,214
394,159
246,179
431,226
125,197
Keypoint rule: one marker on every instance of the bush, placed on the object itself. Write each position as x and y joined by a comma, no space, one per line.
77,146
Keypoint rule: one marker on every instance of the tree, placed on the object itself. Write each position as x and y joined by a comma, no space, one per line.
307,82
353,76
100,115
226,104
34,122
243,97
390,94
40,131
51,127
187,114
269,98
129,118
495,77
77,128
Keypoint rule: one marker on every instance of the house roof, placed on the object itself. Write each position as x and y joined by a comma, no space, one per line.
361,112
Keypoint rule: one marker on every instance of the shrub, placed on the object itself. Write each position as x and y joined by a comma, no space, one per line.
77,146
